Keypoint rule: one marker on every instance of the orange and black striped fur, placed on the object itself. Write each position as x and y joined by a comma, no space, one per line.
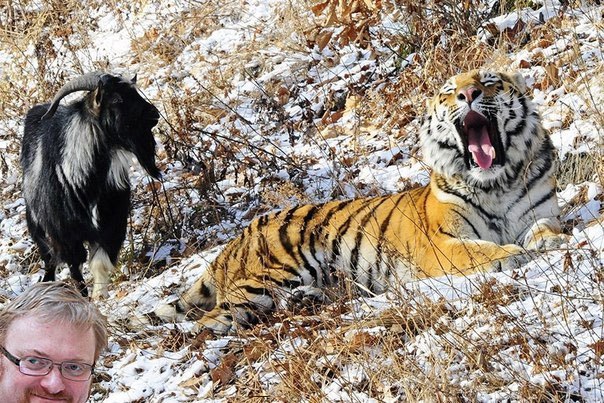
490,199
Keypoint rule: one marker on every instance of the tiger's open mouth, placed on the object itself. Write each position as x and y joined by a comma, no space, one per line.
484,147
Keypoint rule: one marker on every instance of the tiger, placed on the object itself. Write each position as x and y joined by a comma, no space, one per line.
490,202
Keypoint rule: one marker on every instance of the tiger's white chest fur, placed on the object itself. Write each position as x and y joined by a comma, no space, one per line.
503,217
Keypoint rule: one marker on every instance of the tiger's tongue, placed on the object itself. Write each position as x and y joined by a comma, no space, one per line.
480,146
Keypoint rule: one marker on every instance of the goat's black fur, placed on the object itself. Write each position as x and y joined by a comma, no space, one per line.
75,175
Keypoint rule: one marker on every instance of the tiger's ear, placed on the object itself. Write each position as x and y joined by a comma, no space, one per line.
519,82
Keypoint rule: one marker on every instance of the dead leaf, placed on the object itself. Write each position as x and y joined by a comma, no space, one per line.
598,348
524,64
553,77
323,39
331,118
568,262
283,95
253,351
224,372
317,9
361,340
190,383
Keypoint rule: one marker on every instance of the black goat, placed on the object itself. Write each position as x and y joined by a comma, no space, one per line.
75,161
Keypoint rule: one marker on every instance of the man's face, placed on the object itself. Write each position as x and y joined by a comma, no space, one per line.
56,341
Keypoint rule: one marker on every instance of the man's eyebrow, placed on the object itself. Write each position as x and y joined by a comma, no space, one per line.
41,354
38,353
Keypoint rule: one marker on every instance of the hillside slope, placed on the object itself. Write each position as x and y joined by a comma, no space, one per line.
267,104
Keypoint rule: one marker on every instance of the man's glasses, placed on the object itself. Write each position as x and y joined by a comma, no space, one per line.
38,366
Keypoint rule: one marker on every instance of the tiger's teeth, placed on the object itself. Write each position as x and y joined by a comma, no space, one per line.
493,153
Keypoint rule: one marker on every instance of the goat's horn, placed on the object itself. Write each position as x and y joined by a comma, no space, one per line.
87,82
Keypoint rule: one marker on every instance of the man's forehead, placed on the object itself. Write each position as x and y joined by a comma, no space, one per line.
55,339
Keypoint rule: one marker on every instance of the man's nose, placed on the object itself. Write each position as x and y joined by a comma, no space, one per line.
53,382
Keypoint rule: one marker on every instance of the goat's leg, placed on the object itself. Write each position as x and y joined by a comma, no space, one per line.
113,218
101,267
49,272
76,274
40,239
75,256
50,265
112,212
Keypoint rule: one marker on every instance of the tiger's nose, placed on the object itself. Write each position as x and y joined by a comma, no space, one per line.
468,94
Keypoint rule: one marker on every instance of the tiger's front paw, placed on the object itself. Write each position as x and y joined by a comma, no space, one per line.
306,298
220,325
512,262
544,243
544,235
223,321
169,313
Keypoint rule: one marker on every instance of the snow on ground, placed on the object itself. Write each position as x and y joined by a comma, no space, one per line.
540,325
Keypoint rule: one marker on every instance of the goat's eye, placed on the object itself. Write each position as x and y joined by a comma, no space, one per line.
116,99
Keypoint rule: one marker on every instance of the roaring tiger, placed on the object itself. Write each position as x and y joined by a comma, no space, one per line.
490,200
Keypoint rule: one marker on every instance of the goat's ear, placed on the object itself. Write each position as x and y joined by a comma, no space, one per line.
133,80
97,98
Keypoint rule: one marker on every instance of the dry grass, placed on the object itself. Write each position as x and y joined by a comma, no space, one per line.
383,357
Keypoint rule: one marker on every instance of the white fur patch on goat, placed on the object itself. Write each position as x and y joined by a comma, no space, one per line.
101,267
82,139
95,216
31,181
119,168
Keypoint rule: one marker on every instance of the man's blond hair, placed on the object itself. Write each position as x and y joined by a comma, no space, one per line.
56,302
